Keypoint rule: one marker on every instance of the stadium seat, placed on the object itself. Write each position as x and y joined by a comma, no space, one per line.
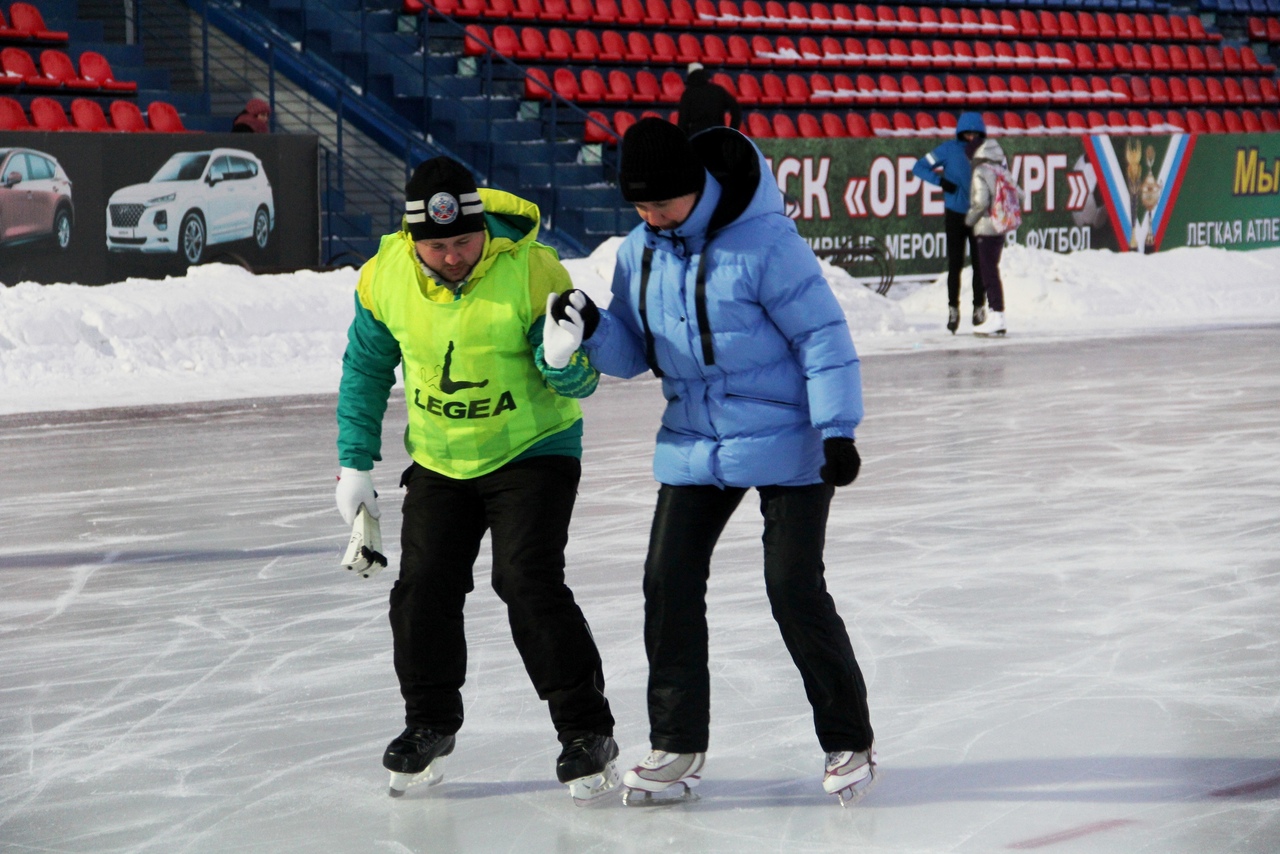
502,10
125,116
526,10
773,91
748,90
164,118
1076,123
1195,122
58,66
1216,92
48,114
475,42
12,115
586,46
647,88
808,126
880,124
858,126
1034,124
1159,90
902,124
833,126
537,87
1213,122
597,129
27,20
665,51
16,62
672,87
1231,121
87,115
613,47
1054,122
505,41
592,88
738,51
1270,121
619,89
565,83
639,51
1250,122
759,126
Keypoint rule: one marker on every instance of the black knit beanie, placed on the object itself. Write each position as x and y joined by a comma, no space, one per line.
658,163
441,200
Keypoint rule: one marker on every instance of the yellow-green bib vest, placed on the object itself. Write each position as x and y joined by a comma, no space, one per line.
476,399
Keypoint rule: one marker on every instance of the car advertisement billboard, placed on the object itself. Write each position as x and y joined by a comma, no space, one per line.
859,204
96,208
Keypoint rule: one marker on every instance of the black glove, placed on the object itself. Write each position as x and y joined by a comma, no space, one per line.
949,186
843,461
590,314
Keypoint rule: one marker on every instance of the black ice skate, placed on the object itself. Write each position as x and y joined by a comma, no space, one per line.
416,756
588,766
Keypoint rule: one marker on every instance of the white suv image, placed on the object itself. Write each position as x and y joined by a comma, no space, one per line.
195,200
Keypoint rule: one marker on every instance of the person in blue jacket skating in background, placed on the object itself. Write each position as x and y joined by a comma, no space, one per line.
948,166
717,294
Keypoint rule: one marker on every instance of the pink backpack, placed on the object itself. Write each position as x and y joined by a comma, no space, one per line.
1006,207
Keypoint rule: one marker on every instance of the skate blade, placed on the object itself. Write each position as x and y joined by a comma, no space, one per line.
590,789
677,793
854,792
400,782
996,334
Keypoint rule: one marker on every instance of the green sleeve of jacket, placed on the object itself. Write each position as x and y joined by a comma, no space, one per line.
579,378
368,373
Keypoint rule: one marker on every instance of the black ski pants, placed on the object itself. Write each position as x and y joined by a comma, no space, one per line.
686,525
526,506
987,259
959,236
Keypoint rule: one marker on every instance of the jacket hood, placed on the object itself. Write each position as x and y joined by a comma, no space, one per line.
990,152
739,168
970,121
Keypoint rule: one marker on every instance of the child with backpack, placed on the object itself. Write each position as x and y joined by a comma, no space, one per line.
995,209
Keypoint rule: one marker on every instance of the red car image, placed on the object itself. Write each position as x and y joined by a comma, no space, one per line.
35,198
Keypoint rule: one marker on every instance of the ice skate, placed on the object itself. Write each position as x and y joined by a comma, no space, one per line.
662,779
849,775
979,315
416,756
994,325
589,767
953,318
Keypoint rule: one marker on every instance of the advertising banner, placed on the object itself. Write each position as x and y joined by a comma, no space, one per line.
93,208
860,206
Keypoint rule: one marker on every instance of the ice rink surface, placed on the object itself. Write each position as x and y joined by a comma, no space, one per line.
1060,568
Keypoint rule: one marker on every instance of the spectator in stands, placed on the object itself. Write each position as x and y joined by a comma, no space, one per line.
988,231
254,118
705,104
717,294
948,167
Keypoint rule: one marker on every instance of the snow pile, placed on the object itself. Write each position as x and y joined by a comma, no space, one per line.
222,333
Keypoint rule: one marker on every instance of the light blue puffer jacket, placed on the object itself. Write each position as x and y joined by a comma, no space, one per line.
758,370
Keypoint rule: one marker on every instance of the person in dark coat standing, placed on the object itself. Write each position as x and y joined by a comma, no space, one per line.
705,104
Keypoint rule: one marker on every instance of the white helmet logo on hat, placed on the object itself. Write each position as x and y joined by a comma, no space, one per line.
443,208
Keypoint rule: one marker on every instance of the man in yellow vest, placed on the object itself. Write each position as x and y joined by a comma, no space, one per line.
459,296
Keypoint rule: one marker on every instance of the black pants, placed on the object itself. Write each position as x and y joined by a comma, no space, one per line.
959,236
526,506
686,525
988,260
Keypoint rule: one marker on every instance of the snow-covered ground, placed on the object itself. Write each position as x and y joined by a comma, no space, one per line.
222,333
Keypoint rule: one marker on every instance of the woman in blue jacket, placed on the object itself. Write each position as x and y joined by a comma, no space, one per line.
947,166
718,295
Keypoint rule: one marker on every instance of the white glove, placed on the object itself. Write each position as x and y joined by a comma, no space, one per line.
561,339
355,487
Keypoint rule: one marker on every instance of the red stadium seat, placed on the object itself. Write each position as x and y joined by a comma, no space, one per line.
1231,121
87,115
597,129
12,115
125,116
48,114
57,65
163,118
537,87
833,126
672,87
748,90
16,62
1213,122
759,126
27,20
613,47
566,84
592,87
620,89
808,126
647,88
1250,122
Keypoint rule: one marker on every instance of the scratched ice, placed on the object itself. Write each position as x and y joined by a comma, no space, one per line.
1059,569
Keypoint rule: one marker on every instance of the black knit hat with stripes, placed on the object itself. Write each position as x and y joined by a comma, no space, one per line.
658,163
441,200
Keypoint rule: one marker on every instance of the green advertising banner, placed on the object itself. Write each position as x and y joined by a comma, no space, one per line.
858,204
